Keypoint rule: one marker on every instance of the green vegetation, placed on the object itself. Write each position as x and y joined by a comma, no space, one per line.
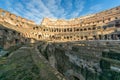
19,66
11,49
24,64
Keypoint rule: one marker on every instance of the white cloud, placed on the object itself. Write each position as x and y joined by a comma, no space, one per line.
96,7
79,5
37,9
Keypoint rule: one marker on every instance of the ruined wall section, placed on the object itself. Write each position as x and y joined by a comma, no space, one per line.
100,26
6,16
9,37
22,25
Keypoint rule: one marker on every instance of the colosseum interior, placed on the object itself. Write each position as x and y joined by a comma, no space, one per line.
104,25
84,48
100,26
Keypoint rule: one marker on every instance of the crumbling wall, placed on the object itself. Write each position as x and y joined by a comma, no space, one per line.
8,17
9,37
79,60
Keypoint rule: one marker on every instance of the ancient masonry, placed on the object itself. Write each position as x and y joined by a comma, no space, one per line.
100,26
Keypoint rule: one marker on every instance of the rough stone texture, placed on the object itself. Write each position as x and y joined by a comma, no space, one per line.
79,59
82,62
26,63
101,26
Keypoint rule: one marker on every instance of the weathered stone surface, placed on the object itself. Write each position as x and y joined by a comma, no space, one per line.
25,64
82,62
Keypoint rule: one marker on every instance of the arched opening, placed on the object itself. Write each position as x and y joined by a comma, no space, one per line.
53,37
67,29
16,41
71,37
14,32
100,37
64,30
89,28
109,19
81,37
119,36
94,37
59,30
67,37
94,28
105,37
77,29
39,36
18,34
6,31
33,28
85,29
86,38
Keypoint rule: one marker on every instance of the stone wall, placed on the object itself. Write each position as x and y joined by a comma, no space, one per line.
9,37
80,60
17,23
99,26
6,16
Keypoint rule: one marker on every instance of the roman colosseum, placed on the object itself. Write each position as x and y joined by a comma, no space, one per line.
104,25
100,26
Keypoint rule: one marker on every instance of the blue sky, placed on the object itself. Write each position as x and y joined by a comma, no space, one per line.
36,10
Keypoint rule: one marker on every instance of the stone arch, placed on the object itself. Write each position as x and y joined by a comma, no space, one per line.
67,37
94,28
85,29
14,33
67,29
16,41
53,37
77,29
119,36
33,28
81,37
6,31
94,37
100,37
81,29
39,36
89,29
105,37
18,34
